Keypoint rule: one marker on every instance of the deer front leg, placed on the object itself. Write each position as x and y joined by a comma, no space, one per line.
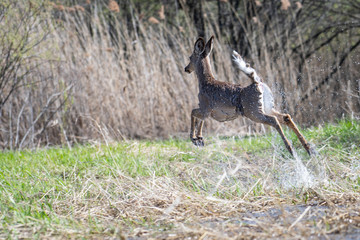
199,131
197,115
192,127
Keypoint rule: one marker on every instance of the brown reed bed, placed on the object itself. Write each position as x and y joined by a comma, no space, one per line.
91,70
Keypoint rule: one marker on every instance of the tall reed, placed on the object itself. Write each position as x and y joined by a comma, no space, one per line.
100,80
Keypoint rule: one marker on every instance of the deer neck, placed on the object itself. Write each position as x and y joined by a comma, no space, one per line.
204,72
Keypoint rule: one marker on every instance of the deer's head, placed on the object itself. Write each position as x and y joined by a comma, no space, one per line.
201,51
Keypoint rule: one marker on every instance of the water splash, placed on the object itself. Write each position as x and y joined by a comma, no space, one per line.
294,174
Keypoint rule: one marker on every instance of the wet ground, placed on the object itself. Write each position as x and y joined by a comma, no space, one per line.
312,221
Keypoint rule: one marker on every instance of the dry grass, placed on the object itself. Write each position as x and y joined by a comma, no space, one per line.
231,189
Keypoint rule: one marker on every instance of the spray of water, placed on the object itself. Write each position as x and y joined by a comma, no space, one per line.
294,174
250,174
297,172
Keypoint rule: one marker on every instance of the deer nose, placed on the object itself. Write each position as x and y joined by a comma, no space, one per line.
187,69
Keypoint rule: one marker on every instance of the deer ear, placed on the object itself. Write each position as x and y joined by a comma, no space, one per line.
199,45
208,47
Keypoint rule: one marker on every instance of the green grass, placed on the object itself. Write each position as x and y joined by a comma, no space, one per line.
343,135
107,190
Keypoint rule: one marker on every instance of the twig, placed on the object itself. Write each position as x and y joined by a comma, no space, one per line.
299,218
251,188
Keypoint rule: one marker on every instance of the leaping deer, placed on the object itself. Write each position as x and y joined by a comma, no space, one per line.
224,101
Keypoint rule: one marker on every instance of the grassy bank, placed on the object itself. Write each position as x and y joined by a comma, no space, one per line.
233,187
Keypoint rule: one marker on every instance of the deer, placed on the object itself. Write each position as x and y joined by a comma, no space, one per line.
225,101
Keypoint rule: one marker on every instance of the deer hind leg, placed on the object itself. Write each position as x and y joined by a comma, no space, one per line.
272,121
197,118
287,120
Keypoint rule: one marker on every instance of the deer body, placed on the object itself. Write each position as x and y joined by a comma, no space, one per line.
220,101
224,101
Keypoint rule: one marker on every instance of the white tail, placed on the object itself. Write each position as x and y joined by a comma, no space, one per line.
244,67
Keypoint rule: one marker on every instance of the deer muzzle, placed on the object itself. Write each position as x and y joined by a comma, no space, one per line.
188,69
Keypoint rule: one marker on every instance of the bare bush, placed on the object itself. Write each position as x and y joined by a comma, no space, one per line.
29,92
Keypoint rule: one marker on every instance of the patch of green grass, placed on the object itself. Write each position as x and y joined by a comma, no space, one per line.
250,144
343,135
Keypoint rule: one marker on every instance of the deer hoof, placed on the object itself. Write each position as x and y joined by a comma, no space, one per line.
312,151
199,141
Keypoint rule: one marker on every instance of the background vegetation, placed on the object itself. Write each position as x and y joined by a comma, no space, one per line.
75,71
